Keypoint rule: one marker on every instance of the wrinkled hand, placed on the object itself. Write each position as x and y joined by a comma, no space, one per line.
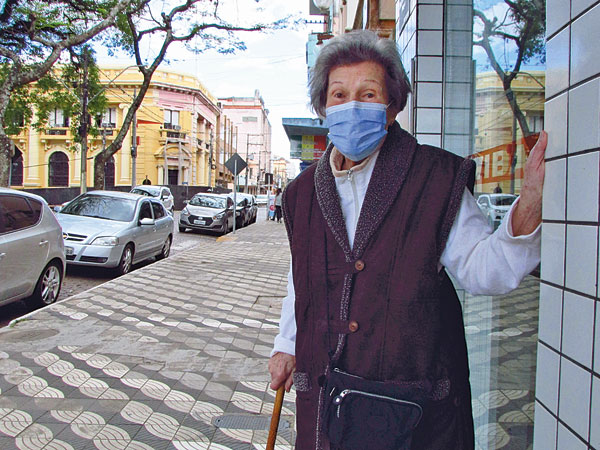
281,367
528,212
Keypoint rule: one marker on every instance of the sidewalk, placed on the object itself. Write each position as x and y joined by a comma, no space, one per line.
171,356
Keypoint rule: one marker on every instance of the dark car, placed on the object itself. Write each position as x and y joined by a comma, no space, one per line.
213,212
251,208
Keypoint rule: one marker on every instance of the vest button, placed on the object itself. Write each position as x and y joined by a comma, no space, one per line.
359,265
353,326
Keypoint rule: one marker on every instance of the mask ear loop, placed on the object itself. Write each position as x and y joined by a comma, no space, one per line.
387,125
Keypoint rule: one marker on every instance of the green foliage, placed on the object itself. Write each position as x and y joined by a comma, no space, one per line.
28,26
18,113
530,20
62,89
523,26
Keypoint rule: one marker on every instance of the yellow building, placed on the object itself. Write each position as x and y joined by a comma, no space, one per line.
180,130
496,129
281,169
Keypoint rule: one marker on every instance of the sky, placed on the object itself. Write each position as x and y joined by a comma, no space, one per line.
274,63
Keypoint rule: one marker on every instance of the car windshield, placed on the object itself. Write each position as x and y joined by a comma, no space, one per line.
145,192
503,200
102,207
208,202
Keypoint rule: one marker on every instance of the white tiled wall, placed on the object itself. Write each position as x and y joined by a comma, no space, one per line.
441,57
567,413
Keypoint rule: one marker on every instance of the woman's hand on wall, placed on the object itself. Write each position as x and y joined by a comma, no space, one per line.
281,367
528,212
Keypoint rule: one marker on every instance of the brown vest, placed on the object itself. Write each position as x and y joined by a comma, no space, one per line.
382,309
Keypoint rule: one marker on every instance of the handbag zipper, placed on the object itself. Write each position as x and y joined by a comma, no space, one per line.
340,398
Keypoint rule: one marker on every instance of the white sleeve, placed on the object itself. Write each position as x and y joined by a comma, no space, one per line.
485,262
285,341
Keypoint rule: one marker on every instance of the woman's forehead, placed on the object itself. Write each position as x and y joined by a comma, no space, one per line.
363,72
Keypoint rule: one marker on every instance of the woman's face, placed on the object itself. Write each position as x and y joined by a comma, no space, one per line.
362,82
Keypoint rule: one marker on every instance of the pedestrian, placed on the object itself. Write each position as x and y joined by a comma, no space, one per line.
371,331
146,181
498,189
278,198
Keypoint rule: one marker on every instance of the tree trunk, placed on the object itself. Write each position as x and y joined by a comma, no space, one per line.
99,162
6,144
516,110
6,154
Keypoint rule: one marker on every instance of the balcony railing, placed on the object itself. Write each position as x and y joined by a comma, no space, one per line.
57,131
172,133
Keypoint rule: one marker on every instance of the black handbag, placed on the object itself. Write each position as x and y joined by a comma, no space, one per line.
363,414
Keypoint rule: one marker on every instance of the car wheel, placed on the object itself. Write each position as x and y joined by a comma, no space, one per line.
126,260
182,229
48,285
224,228
166,249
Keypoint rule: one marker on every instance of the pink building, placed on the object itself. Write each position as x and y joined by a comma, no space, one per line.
249,116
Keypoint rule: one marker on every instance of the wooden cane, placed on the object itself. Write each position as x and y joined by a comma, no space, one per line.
275,418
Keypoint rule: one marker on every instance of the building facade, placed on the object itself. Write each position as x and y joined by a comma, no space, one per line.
182,137
250,117
282,172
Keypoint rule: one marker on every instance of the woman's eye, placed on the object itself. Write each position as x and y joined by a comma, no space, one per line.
369,95
338,95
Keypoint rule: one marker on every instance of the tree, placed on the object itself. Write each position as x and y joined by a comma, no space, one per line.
524,24
188,22
33,35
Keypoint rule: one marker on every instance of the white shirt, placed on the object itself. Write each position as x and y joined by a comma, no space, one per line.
483,262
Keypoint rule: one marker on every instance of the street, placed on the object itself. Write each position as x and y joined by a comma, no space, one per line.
81,278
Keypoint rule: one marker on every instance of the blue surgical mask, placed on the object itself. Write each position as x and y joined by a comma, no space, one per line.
356,128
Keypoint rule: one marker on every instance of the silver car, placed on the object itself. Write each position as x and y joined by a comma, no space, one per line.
212,212
32,258
115,229
495,206
163,193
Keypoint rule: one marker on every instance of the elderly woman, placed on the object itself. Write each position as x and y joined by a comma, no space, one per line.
374,227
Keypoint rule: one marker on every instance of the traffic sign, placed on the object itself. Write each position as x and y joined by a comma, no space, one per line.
236,164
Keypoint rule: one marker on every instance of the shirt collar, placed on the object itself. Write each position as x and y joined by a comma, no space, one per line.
337,159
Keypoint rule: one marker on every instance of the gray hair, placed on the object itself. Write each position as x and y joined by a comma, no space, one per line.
356,47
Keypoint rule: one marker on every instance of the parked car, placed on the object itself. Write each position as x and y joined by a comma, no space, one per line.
32,257
495,206
241,211
115,229
251,208
204,211
163,193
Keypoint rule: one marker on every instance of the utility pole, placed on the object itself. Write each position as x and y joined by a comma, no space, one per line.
134,145
247,168
83,125
210,158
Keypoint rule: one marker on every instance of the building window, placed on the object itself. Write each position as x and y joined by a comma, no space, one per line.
172,120
58,169
109,118
249,119
109,173
16,169
58,119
